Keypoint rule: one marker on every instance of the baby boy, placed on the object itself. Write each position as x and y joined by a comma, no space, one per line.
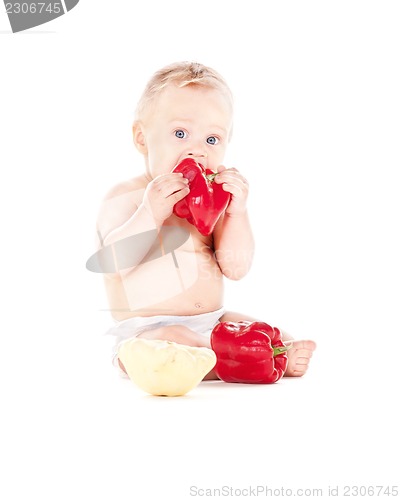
176,294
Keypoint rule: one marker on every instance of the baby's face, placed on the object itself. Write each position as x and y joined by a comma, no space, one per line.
187,122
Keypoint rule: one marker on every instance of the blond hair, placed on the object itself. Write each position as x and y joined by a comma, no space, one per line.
181,74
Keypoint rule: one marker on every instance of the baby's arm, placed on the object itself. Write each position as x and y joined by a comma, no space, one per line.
233,237
159,199
122,218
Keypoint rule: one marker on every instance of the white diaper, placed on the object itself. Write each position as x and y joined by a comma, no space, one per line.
202,324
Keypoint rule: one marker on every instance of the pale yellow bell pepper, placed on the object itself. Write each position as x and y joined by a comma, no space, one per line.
164,368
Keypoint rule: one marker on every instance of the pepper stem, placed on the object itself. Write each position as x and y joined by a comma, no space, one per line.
280,350
211,177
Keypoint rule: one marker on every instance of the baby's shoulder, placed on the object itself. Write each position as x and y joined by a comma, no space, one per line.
137,184
120,203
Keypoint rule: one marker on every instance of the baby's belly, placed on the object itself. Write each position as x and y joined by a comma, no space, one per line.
183,283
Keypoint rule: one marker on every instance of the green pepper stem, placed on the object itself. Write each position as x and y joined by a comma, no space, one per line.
211,177
280,350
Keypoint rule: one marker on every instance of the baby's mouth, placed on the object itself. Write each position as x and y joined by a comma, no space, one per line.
199,159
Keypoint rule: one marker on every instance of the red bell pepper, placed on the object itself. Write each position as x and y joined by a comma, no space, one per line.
206,200
248,352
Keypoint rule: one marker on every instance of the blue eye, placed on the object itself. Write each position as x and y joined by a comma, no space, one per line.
212,140
181,134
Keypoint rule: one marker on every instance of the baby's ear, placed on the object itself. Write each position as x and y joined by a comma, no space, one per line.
138,137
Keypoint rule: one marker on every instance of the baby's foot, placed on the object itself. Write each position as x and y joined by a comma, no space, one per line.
299,356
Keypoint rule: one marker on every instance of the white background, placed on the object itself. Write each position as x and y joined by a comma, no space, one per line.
317,135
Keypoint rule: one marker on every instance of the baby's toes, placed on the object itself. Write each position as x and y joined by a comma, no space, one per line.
298,367
301,345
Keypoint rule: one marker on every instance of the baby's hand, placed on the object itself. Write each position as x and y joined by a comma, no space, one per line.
162,193
233,182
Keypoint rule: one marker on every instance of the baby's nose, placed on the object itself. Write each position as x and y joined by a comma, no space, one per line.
196,147
198,154
200,157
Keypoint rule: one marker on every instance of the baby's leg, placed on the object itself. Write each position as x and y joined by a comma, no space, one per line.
299,354
179,334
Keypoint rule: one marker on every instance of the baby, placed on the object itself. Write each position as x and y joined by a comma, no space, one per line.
175,292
